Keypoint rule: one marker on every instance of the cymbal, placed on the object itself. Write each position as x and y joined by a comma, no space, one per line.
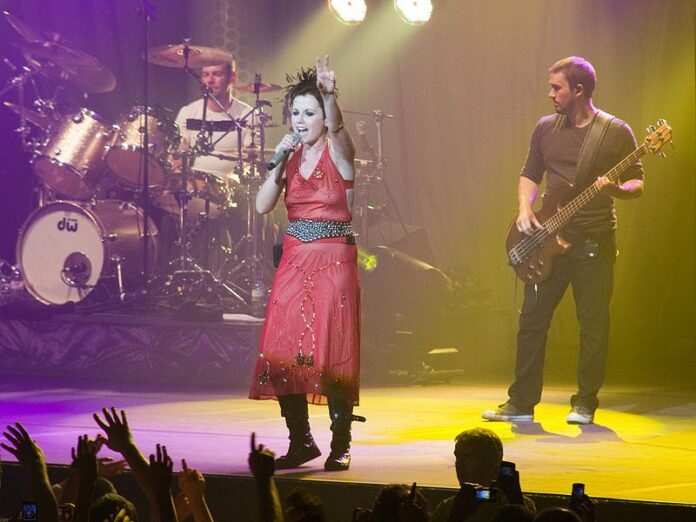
96,78
35,118
263,87
23,29
57,54
199,56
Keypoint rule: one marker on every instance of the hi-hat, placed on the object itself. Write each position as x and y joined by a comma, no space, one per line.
198,56
35,118
263,87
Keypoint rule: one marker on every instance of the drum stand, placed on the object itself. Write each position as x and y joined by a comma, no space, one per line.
183,277
250,270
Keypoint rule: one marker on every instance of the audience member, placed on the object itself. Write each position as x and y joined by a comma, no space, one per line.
478,455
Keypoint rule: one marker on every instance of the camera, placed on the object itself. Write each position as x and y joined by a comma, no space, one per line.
486,494
29,511
578,491
507,469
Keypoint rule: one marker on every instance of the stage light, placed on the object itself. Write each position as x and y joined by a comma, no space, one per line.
414,12
349,12
366,260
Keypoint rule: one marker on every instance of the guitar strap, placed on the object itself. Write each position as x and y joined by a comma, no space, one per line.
590,147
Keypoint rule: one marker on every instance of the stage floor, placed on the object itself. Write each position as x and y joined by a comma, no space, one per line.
643,446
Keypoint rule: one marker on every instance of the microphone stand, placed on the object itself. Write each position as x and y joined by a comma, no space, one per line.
147,9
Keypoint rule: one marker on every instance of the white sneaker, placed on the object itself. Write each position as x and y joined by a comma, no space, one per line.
580,415
508,413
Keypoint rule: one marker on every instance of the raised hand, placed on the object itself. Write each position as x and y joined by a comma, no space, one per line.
326,78
115,427
191,482
25,450
161,466
261,460
108,467
84,459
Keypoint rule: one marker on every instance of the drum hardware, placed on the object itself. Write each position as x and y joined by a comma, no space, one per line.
262,87
183,277
375,171
187,56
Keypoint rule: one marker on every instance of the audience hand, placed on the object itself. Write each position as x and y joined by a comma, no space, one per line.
584,507
261,460
25,450
161,466
464,504
191,482
119,437
84,459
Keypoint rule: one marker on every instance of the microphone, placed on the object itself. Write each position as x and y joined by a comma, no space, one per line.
283,152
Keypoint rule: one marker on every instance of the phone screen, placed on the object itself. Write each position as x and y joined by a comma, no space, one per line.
578,490
29,511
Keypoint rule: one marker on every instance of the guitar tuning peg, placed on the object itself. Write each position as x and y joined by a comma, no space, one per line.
661,121
662,154
650,128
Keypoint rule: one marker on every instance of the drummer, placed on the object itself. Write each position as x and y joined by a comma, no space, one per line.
220,80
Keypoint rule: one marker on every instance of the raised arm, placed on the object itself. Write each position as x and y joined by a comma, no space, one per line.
30,456
341,140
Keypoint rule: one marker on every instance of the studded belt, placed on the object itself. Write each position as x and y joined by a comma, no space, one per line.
306,230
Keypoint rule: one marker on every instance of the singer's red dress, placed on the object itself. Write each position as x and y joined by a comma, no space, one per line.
310,341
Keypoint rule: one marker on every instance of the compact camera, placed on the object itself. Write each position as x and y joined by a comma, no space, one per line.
486,494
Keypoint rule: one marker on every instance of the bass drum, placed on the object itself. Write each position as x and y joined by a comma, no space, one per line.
66,247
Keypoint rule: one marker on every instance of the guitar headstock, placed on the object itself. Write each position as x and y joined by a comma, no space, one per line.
660,133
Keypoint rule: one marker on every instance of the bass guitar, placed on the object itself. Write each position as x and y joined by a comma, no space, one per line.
532,256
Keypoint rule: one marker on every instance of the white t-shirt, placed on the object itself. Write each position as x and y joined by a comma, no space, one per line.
227,145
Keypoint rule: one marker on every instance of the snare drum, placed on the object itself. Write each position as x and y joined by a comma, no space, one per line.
66,247
72,159
126,152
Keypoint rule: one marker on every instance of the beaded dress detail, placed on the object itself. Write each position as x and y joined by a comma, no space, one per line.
310,341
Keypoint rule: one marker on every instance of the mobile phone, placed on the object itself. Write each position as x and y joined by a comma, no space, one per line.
486,494
507,469
578,491
29,511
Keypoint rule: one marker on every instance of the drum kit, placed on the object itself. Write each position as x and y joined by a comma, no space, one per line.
96,226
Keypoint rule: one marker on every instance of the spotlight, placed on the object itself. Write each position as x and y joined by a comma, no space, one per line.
349,12
414,12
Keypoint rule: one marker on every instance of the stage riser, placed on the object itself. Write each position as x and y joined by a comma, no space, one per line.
234,498
131,350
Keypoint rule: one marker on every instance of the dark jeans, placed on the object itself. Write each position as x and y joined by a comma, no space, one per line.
589,268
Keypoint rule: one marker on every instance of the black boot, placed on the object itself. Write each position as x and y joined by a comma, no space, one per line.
341,413
302,447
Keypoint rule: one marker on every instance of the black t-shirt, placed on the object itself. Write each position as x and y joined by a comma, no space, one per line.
554,149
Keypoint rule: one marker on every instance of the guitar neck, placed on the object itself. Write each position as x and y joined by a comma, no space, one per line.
567,211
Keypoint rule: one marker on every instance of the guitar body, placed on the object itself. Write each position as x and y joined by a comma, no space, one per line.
538,266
